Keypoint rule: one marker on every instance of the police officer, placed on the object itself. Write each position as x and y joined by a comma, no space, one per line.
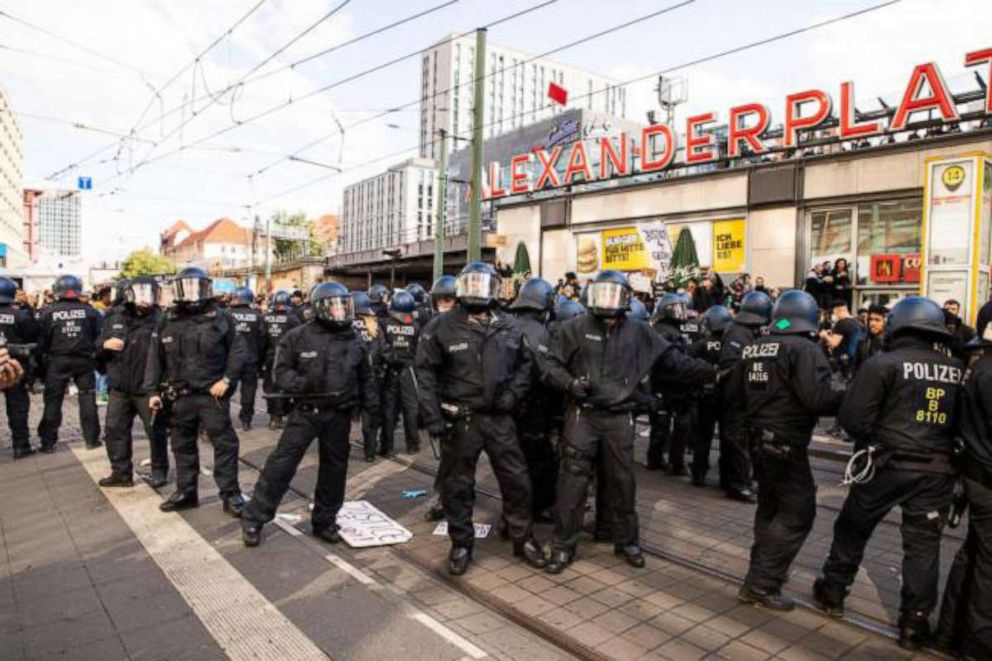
443,294
716,319
783,384
247,324
399,350
194,360
379,299
638,311
69,329
900,408
298,308
965,626
671,428
474,370
735,458
423,312
278,321
532,310
601,359
123,345
367,328
323,367
17,327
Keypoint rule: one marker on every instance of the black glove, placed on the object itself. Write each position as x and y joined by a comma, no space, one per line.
580,388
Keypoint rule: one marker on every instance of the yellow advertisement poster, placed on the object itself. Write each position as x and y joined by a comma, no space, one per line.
728,245
623,250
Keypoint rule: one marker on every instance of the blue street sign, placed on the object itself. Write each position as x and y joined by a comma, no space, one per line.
85,183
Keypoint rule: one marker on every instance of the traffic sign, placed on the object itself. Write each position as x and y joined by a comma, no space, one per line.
85,183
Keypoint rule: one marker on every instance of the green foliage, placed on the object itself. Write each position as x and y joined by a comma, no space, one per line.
285,249
521,261
684,255
146,262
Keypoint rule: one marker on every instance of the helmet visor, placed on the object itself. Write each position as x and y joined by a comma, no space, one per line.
142,295
336,309
608,296
678,311
192,290
477,288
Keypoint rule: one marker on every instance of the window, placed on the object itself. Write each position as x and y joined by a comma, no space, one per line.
830,234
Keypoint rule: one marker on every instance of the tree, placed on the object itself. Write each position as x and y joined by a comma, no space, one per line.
146,262
284,249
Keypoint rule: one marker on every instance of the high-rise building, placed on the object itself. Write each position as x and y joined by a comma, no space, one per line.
516,91
11,184
53,221
391,208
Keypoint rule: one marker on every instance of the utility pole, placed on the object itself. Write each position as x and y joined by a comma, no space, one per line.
268,254
478,118
442,205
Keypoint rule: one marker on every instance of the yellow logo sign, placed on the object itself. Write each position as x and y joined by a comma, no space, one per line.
953,177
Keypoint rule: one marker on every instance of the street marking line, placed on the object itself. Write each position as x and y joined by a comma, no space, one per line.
449,635
244,623
288,527
350,569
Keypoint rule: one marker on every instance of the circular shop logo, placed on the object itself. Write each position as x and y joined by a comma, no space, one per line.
953,177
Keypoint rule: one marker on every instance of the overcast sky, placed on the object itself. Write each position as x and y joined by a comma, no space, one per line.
126,49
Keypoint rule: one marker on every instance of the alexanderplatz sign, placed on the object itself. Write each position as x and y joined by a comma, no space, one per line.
747,128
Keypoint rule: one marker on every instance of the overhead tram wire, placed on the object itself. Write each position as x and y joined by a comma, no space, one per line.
708,58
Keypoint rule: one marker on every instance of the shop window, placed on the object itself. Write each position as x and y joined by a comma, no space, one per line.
830,234
889,235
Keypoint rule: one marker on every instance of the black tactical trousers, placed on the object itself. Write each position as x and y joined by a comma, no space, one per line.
966,611
121,411
467,438
330,427
671,431
82,372
706,415
735,455
784,516
190,413
248,385
542,461
18,404
277,406
925,499
400,389
608,436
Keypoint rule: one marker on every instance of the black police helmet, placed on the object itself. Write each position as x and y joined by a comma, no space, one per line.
638,311
919,315
243,296
717,318
418,292
141,292
443,287
403,302
332,305
8,291
571,309
535,294
795,312
362,304
67,288
120,291
281,301
609,294
192,285
671,306
477,286
756,309
378,293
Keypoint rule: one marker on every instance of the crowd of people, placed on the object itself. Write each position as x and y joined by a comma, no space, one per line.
550,385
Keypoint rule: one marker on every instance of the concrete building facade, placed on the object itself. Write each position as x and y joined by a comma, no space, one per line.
53,221
11,184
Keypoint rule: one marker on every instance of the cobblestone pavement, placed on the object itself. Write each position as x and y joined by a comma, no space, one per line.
402,598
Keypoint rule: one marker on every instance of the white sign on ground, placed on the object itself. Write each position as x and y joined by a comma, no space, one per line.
481,530
362,525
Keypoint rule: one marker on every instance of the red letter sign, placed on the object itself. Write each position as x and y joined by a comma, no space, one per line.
912,102
548,172
608,153
982,57
699,147
519,181
578,162
495,181
750,134
665,131
792,120
848,127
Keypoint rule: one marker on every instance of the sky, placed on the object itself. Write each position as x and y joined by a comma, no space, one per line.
137,68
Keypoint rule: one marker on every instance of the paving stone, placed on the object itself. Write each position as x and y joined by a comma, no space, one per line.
561,595
679,650
612,597
705,637
589,634
672,624
764,640
738,651
105,649
561,618
480,623
647,636
621,649
533,605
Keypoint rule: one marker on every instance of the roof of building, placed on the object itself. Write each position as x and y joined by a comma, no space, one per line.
222,230
175,228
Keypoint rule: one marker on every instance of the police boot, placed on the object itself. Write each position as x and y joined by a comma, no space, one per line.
829,597
180,500
251,533
117,480
531,552
698,479
435,512
47,448
234,504
503,528
329,534
159,478
458,560
21,452
772,600
742,495
273,422
558,561
94,445
914,631
246,424
632,553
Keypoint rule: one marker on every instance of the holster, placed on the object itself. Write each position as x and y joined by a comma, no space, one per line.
767,442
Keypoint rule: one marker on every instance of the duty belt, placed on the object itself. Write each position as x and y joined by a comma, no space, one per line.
927,463
172,393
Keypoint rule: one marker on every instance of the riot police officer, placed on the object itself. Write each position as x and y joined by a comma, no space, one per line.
423,311
17,327
123,345
278,321
379,300
367,327
247,324
601,359
671,428
901,408
443,294
783,384
69,329
323,367
194,360
532,310
399,350
735,458
965,626
474,370
716,319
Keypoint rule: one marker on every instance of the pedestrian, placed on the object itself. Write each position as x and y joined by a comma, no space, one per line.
716,320
424,311
194,360
323,368
17,328
278,321
400,334
474,371
901,411
601,359
367,328
68,333
842,284
707,295
247,324
962,332
873,341
672,426
124,344
783,383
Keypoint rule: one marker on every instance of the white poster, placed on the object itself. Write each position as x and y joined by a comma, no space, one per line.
362,525
945,285
654,236
951,211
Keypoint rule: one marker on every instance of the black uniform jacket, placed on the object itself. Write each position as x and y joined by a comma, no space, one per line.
975,414
17,326
248,324
275,324
126,368
69,328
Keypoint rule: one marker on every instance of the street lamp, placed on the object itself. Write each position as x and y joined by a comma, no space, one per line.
393,254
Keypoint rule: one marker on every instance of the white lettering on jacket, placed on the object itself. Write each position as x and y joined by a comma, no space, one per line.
596,338
7,319
308,354
769,350
65,315
931,372
461,346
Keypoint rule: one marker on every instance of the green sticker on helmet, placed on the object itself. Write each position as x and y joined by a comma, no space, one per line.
782,324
